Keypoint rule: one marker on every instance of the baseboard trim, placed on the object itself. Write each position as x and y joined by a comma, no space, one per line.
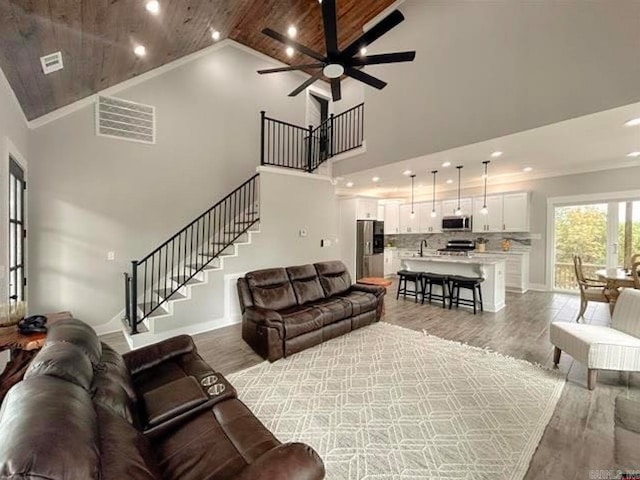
112,326
538,287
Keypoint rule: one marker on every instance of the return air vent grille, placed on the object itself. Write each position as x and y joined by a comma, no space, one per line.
126,120
51,63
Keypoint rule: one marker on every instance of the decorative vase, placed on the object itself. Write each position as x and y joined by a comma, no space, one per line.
481,247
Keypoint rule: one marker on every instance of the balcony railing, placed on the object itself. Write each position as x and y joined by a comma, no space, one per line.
565,274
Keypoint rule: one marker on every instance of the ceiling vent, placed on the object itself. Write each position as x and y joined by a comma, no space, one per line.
126,120
51,63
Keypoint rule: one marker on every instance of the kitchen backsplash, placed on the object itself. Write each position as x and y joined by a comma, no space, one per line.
519,241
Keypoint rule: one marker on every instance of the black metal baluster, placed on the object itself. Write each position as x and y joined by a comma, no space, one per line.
133,319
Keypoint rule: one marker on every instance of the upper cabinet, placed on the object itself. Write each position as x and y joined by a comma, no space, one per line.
391,218
492,221
409,223
367,209
449,207
430,223
516,212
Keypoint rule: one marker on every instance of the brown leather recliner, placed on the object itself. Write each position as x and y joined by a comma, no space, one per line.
286,310
85,412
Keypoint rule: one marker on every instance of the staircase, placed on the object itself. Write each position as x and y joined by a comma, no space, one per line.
168,273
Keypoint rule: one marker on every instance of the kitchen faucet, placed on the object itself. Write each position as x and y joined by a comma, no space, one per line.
423,242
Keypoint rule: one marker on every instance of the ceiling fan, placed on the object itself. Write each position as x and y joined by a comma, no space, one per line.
342,62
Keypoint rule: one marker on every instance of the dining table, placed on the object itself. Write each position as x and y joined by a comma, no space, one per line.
615,278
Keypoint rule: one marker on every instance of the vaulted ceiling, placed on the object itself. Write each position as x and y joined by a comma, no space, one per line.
97,38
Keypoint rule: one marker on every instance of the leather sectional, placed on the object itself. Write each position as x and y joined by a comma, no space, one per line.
83,411
286,310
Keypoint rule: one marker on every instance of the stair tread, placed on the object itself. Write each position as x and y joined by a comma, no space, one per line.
161,310
183,278
169,294
210,266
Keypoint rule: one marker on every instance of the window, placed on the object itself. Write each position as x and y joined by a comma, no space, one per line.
17,279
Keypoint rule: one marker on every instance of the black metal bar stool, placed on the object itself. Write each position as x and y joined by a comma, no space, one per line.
430,279
470,283
414,277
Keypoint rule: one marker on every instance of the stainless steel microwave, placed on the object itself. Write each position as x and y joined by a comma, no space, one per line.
457,223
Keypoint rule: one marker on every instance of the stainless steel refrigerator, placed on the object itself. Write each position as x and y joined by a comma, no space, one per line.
370,249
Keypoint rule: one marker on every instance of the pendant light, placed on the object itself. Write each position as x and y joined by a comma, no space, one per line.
459,210
413,176
484,209
433,198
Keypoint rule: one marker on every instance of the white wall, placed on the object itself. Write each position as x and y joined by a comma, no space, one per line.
90,195
488,69
14,136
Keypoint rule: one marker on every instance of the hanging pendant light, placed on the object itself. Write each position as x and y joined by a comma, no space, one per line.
433,198
459,210
484,209
413,176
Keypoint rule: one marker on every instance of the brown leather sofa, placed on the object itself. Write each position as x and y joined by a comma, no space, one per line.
84,412
286,310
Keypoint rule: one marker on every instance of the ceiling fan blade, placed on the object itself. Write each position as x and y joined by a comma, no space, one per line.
371,35
291,68
336,93
287,41
365,78
309,81
383,58
330,27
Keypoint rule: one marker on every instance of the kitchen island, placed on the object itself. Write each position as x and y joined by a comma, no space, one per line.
491,269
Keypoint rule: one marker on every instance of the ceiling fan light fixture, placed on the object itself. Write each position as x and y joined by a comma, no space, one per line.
333,70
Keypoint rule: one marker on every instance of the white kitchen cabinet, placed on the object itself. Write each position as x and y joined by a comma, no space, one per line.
492,221
427,223
391,261
449,207
516,212
391,218
380,215
517,272
367,209
409,223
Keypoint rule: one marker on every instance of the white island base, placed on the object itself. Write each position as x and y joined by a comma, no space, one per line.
492,270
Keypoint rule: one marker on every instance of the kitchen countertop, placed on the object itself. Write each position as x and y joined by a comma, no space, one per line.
475,260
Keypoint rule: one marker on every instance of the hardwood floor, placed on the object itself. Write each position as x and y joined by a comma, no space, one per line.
579,437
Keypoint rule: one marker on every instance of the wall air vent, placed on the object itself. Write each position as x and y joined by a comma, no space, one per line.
126,120
51,63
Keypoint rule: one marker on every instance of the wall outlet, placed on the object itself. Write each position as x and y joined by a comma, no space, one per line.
325,243
111,256
303,232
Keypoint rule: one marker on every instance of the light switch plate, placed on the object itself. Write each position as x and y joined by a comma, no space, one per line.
111,256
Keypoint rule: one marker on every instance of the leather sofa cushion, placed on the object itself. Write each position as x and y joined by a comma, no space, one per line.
80,334
306,284
300,320
361,302
172,399
334,309
125,453
112,365
147,357
334,277
113,388
64,361
49,431
271,289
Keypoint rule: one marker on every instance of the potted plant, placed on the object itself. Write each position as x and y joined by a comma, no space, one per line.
481,244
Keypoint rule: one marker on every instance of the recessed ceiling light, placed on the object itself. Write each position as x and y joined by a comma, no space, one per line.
290,51
407,172
375,179
446,164
292,31
140,51
153,6
349,184
363,51
633,122
449,181
527,169
215,34
496,154
633,154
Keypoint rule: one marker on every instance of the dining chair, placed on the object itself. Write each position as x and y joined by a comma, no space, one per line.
591,290
635,274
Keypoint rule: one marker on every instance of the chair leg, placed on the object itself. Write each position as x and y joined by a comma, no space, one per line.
556,356
583,308
592,378
430,291
399,285
475,300
423,288
480,295
444,294
452,287
458,295
415,290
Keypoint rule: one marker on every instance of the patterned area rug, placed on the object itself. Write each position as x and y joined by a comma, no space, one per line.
384,402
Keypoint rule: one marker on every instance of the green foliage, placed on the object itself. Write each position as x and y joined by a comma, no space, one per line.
581,231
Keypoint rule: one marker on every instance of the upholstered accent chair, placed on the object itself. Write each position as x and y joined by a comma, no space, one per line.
600,347
591,290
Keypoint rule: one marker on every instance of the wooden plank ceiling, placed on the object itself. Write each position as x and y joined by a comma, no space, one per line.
97,38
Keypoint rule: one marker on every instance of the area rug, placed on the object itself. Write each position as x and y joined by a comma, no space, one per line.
384,402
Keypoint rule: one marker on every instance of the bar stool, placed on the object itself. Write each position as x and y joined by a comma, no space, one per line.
431,279
414,277
469,283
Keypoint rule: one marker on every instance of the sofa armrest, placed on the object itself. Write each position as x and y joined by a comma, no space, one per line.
152,355
374,289
264,316
289,461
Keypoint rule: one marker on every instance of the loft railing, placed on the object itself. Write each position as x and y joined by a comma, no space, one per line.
287,145
161,274
565,274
